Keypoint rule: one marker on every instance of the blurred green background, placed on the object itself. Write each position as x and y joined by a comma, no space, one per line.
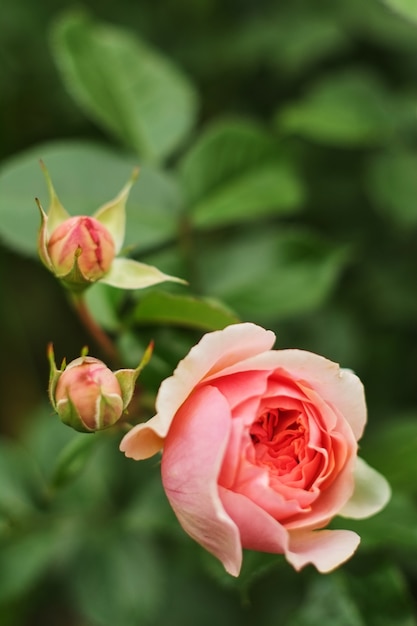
278,151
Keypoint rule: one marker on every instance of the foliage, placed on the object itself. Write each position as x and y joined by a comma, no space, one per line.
277,145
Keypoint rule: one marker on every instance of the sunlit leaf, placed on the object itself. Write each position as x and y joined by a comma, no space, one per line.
236,172
350,108
85,175
124,85
405,8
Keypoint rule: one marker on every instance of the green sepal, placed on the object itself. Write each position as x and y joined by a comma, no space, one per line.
127,377
54,374
130,274
113,214
56,212
75,280
69,415
43,238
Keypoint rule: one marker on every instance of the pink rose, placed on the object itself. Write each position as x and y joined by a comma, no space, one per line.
260,450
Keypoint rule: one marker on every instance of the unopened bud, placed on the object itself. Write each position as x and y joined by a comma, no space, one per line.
88,396
81,244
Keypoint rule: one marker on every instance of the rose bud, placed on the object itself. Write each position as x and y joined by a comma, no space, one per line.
87,395
259,450
83,243
82,250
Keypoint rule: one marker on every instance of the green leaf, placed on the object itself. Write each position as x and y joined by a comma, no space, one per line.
173,309
392,449
236,172
118,579
346,109
85,176
124,85
382,596
392,185
23,561
405,8
328,601
19,481
395,527
72,460
266,275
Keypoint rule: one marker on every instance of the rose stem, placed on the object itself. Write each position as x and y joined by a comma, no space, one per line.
97,333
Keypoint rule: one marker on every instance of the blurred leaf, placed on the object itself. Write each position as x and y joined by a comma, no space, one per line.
124,85
328,601
349,109
172,309
23,562
392,449
236,172
266,275
118,579
85,176
102,302
405,8
383,597
395,527
72,460
19,481
392,185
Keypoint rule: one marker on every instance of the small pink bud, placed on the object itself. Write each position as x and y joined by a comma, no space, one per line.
88,395
81,241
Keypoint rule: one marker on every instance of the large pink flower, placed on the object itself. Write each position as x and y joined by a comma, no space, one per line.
260,450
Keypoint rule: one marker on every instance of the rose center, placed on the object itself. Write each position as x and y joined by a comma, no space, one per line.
279,439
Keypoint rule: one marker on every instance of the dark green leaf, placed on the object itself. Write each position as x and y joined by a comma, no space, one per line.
159,307
392,184
19,481
124,85
118,579
23,561
73,459
328,601
393,450
383,597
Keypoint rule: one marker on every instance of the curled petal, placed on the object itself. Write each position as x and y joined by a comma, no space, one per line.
190,480
130,274
214,352
372,492
325,549
339,387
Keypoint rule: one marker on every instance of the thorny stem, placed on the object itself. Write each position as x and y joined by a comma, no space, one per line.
98,334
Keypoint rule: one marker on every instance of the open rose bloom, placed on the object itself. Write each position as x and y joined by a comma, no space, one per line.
260,450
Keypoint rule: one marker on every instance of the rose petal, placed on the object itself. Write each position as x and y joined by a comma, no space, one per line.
372,492
340,387
191,462
224,346
325,549
258,530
